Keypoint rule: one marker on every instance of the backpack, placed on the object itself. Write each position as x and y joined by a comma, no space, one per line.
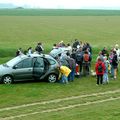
100,68
86,57
79,57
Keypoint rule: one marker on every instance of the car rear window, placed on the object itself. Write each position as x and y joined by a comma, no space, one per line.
52,62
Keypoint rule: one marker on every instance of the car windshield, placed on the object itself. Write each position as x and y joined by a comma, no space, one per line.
12,62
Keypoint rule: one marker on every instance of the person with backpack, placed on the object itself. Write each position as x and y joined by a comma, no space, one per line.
99,69
86,63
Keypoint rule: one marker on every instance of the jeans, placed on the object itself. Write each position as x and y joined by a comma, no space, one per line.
64,79
112,71
71,75
105,78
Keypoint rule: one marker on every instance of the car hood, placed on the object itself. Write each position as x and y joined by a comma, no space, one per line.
4,68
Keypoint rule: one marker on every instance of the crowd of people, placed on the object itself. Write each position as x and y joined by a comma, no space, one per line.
76,59
38,49
107,63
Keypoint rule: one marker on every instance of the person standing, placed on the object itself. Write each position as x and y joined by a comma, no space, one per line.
86,63
79,59
19,52
39,48
115,63
117,51
30,51
99,68
105,75
72,65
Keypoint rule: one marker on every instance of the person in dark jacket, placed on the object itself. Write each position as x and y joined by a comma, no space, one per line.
79,59
105,52
72,66
115,63
19,52
39,48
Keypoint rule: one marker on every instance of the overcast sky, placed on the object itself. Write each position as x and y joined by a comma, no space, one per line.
68,4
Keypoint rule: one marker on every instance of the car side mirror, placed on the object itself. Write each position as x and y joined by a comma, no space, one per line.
15,67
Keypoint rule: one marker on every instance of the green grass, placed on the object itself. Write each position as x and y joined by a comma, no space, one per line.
25,31
25,28
25,93
30,92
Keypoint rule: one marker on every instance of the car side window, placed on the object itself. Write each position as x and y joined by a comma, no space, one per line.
19,65
39,62
27,63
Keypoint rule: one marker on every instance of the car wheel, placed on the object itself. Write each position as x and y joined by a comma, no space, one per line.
7,79
52,78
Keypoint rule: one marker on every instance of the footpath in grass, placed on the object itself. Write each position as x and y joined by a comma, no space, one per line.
58,104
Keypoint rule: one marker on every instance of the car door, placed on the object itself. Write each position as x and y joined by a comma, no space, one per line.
38,67
23,70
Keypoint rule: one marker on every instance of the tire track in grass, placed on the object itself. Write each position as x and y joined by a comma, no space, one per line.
59,100
60,108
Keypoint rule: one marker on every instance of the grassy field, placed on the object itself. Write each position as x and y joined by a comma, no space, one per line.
21,31
58,12
85,105
78,100
25,31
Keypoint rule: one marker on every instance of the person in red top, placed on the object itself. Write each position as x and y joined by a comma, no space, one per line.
99,68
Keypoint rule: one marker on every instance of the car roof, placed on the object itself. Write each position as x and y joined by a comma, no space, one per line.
40,55
22,57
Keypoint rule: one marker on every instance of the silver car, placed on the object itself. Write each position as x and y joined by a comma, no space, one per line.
55,52
31,67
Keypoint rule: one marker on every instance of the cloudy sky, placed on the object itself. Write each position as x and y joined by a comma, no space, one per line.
68,4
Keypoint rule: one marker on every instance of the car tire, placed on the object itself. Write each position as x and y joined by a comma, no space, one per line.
52,78
7,79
